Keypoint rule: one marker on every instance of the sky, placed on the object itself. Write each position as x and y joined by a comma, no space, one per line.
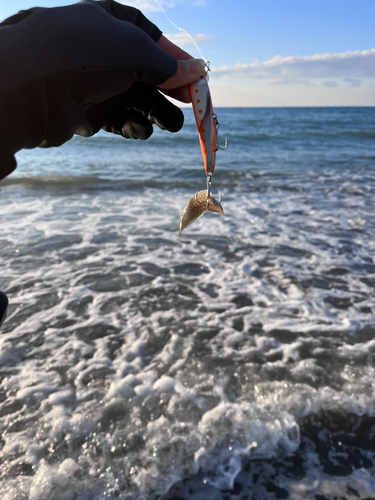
270,53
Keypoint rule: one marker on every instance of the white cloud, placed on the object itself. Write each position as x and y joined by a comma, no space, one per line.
343,79
350,66
150,5
159,5
331,83
354,82
183,39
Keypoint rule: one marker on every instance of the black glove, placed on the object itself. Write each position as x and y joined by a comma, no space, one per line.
77,69
132,113
3,307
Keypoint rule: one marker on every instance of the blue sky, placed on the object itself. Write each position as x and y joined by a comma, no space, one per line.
272,52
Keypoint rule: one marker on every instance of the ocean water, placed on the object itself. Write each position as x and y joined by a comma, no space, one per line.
235,363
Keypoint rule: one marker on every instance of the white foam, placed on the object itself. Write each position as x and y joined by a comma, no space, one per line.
160,358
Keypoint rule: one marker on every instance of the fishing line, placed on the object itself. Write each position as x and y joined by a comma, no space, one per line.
183,31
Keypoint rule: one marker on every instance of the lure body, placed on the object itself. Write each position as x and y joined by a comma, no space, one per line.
207,126
193,209
206,121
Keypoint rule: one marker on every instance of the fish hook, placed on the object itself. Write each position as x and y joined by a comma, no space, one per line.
208,197
217,125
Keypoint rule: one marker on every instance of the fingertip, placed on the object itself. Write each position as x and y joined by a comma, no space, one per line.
167,117
195,66
188,71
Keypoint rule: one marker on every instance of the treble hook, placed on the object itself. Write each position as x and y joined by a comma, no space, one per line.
208,197
217,125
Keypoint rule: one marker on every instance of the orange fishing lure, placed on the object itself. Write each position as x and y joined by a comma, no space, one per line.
207,126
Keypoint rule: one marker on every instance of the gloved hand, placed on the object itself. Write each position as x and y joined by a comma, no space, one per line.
80,68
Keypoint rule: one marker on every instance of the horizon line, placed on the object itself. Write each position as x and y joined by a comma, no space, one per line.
186,106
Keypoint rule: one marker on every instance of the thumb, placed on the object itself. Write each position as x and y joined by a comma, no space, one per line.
188,71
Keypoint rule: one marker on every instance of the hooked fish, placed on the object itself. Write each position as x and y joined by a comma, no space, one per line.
196,207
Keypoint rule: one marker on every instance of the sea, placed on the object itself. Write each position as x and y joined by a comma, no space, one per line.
234,363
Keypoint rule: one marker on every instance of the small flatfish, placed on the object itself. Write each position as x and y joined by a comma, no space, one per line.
193,210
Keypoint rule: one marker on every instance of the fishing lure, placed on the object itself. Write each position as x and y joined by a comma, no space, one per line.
207,126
